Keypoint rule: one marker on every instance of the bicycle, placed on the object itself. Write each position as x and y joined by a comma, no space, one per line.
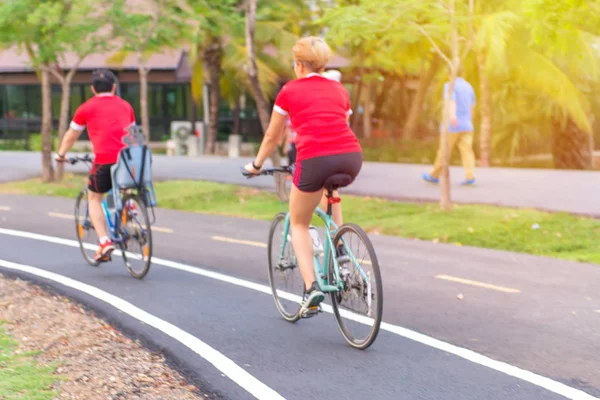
127,227
333,276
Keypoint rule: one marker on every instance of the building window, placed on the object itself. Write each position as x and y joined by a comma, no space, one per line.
17,102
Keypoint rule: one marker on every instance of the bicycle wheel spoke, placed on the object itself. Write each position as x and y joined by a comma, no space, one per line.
84,230
358,307
284,273
137,234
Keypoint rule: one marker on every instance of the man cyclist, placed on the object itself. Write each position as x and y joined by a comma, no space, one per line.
107,118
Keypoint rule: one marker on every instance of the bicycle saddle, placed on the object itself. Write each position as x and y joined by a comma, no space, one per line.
337,181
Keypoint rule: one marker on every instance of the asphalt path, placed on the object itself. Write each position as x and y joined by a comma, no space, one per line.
537,314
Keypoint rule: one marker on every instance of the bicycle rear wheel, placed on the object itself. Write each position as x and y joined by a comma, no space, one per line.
86,234
284,272
359,306
137,244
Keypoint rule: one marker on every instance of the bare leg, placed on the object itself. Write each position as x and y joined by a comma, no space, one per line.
302,207
96,213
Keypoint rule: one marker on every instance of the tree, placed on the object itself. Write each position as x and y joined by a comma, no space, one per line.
257,93
161,24
397,22
80,38
38,28
212,19
537,87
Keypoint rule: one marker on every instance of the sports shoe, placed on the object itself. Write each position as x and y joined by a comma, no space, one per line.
311,300
428,178
468,182
104,251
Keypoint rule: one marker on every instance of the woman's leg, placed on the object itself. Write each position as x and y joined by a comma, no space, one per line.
302,207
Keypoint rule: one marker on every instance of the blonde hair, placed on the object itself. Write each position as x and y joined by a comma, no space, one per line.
313,52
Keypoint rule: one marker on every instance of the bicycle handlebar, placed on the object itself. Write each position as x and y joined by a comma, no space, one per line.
268,171
86,158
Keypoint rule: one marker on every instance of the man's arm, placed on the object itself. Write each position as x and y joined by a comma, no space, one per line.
67,143
453,119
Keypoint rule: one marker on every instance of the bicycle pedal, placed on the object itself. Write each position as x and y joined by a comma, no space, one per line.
106,259
311,312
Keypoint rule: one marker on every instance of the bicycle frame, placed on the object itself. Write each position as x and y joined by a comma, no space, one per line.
322,271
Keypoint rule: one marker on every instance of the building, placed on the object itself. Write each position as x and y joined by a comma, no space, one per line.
169,92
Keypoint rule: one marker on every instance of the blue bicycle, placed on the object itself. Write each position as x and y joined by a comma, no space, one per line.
129,228
352,279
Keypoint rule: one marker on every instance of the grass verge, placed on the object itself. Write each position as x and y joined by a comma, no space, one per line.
20,376
559,235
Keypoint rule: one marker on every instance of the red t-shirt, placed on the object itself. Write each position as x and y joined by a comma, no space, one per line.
318,108
107,117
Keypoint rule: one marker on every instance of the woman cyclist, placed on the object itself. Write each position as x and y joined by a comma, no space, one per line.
318,108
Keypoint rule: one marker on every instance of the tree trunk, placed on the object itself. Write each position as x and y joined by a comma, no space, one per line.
213,56
485,107
416,108
47,168
445,198
143,71
367,112
64,117
572,148
259,98
354,117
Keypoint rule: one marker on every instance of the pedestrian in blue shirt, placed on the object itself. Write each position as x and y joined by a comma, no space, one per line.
460,131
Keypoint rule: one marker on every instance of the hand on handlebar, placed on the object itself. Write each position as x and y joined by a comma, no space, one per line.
249,170
61,159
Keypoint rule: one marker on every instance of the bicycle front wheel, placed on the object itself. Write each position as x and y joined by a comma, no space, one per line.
86,234
137,244
359,306
284,272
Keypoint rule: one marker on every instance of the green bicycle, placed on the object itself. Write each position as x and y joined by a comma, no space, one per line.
352,280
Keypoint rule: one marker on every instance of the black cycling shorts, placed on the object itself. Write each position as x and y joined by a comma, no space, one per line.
311,174
100,180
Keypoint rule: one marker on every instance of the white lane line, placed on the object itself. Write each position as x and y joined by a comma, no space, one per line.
72,217
60,215
221,362
477,283
238,241
163,230
527,376
4,208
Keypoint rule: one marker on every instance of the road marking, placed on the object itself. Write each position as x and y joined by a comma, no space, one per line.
72,217
238,241
257,244
477,283
213,356
516,372
59,215
4,208
164,230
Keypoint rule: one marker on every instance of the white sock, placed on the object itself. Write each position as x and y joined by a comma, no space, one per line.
104,239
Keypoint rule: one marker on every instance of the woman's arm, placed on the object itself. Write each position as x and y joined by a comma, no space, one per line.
269,142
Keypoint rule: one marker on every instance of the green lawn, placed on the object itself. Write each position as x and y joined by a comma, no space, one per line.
20,376
559,235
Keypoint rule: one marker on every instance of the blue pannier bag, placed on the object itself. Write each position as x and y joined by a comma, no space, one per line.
133,169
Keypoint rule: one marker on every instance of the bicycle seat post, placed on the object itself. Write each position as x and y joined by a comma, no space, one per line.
329,202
